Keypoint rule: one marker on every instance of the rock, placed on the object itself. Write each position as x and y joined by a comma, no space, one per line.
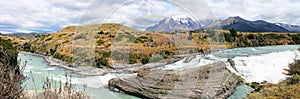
189,58
210,81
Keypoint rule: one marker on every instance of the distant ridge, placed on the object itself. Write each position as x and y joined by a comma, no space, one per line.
243,25
291,28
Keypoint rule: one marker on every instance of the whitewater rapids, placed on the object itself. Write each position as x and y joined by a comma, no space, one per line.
256,64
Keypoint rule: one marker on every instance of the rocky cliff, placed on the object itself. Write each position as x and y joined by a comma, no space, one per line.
210,81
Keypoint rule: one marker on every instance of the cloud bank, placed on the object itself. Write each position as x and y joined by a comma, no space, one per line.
50,15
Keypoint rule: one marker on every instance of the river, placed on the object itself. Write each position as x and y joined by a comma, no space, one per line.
37,69
254,64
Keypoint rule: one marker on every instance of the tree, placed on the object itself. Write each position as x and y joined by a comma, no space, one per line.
294,72
233,32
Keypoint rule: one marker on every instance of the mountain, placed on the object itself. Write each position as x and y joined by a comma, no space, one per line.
246,26
175,23
292,28
23,35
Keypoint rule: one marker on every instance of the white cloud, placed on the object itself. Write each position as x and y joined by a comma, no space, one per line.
51,15
39,15
140,14
286,11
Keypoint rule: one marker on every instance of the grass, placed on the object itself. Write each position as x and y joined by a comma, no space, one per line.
10,81
53,91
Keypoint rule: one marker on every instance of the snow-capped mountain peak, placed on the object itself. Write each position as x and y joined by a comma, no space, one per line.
176,23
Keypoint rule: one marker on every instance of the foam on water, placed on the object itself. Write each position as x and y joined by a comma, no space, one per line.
253,64
51,68
199,60
268,67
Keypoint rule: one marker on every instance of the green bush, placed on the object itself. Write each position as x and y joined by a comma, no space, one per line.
62,57
293,80
100,42
145,60
233,32
101,62
48,39
255,85
101,32
294,68
133,58
141,39
166,54
296,38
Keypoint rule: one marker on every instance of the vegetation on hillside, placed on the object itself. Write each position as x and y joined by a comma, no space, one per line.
247,39
102,45
287,89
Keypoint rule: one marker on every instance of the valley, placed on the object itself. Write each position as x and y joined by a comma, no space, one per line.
128,61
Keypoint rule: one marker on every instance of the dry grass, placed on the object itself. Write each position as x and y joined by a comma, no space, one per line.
52,91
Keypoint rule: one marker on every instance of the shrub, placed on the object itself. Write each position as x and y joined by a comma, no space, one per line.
166,54
255,85
101,62
294,68
101,32
100,42
133,58
141,39
293,80
48,39
233,32
296,38
145,60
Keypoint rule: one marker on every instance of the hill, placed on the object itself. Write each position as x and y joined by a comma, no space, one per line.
102,45
94,45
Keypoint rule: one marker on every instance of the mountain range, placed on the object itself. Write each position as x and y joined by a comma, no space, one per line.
291,28
246,26
181,23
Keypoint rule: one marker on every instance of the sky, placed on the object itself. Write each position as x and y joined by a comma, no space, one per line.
46,16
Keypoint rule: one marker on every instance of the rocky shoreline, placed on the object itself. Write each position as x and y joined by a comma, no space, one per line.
81,70
93,71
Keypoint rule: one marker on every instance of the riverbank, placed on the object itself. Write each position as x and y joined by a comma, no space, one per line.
81,70
94,71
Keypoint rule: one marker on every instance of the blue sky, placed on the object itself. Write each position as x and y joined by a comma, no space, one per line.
52,15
